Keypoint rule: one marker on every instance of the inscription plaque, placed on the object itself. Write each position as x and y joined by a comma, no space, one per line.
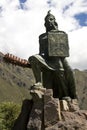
58,44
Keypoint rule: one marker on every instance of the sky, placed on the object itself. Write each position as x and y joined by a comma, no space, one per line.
22,21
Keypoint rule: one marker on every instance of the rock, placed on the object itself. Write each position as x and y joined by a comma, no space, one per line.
51,109
22,120
68,104
36,117
64,105
74,120
71,121
71,118
49,113
73,105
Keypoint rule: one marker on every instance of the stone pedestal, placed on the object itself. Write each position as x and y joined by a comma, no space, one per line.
51,109
47,113
36,116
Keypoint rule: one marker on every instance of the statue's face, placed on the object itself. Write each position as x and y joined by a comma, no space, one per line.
50,21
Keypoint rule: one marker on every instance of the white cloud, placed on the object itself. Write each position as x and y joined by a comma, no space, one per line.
19,29
78,48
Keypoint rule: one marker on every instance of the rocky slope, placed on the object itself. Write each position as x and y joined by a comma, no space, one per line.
15,81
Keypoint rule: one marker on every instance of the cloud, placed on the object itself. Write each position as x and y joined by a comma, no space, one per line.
78,47
20,27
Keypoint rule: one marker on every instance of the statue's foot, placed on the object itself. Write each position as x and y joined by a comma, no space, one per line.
37,86
71,103
68,99
37,90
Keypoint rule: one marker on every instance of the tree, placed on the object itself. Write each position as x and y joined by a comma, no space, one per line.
8,114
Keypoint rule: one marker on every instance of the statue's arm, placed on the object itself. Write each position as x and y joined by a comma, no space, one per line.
41,47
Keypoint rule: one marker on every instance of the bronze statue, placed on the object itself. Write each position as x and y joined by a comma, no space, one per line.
50,66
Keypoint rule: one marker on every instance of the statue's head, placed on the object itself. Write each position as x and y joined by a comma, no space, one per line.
50,22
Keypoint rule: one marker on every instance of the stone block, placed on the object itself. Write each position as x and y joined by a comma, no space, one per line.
36,116
51,109
73,105
64,105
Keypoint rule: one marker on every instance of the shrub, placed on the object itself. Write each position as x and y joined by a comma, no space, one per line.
8,113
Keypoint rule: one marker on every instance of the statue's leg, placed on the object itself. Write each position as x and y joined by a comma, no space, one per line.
48,79
60,89
38,65
69,79
35,68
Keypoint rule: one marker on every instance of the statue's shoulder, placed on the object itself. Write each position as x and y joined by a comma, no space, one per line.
53,31
62,32
57,31
43,35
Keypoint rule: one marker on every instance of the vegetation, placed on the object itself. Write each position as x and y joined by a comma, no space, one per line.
8,113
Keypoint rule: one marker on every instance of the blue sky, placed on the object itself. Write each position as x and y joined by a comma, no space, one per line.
22,21
82,19
22,1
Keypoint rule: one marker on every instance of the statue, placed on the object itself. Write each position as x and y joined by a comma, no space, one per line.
50,66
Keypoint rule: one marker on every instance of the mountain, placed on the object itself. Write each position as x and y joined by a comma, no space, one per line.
81,87
15,81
